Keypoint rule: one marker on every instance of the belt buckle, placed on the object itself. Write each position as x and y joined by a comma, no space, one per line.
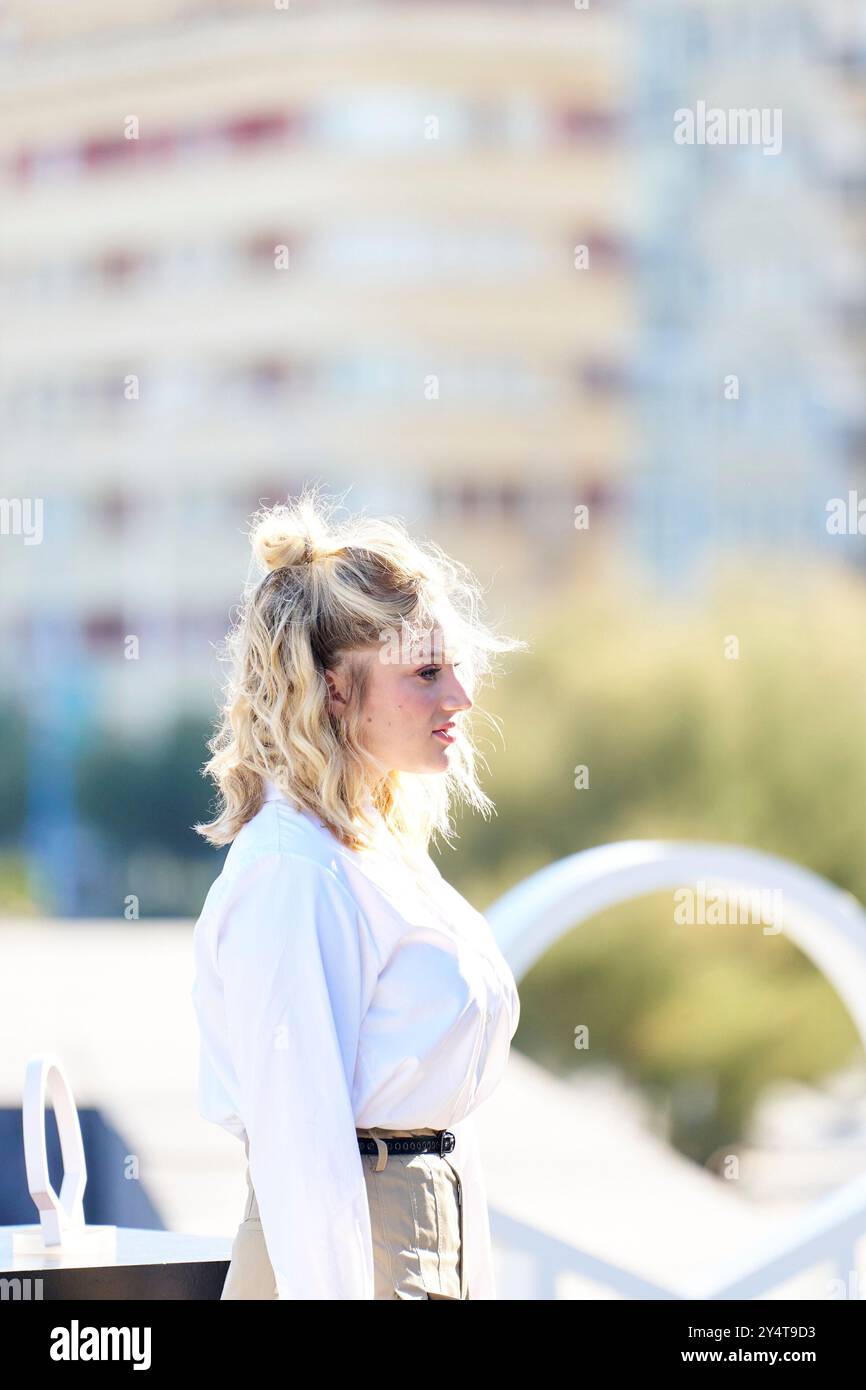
445,1134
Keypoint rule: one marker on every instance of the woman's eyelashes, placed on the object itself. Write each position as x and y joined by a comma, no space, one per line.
434,671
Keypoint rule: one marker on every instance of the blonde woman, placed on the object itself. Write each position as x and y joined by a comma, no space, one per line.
354,1010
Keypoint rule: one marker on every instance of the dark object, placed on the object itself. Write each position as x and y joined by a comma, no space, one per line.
111,1198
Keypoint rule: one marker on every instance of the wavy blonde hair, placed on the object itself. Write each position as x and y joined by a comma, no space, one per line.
331,594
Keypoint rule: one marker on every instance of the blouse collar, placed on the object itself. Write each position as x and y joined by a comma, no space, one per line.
273,793
383,842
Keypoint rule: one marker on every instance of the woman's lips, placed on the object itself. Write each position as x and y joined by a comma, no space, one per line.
444,735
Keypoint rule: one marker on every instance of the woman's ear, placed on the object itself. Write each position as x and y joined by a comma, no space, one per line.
336,687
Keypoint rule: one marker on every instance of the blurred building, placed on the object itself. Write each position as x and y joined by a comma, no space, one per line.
378,245
750,282
446,259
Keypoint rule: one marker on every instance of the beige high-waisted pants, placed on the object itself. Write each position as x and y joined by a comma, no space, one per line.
416,1219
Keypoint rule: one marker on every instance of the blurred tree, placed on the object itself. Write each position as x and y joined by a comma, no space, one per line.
13,784
149,793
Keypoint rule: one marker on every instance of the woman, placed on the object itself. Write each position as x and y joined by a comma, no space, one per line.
354,1009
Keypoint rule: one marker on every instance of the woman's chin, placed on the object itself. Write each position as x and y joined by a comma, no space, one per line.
425,766
436,760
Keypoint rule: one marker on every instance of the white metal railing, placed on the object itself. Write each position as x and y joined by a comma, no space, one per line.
829,925
827,1233
548,1260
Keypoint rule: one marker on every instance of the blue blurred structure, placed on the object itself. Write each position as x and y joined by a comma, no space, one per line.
61,701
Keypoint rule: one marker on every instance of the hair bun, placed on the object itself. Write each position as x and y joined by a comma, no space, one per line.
283,538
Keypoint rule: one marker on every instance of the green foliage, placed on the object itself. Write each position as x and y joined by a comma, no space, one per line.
13,759
15,896
148,793
143,799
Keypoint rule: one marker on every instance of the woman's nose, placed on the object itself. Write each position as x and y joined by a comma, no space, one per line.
458,697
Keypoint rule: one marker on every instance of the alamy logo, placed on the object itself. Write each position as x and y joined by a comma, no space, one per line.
738,126
18,1288
847,518
22,516
76,1343
712,906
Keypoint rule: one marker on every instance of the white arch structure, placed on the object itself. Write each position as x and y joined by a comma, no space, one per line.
59,1216
62,1229
829,926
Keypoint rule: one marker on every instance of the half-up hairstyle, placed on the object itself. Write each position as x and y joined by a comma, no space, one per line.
324,591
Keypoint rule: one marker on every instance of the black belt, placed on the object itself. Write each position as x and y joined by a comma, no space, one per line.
442,1142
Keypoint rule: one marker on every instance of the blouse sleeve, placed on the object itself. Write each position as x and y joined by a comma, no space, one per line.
291,962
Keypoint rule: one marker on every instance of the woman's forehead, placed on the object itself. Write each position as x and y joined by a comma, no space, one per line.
435,644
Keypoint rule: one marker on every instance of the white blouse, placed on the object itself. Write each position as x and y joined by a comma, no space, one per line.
338,989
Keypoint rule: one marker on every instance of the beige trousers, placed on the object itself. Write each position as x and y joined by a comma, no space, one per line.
416,1220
